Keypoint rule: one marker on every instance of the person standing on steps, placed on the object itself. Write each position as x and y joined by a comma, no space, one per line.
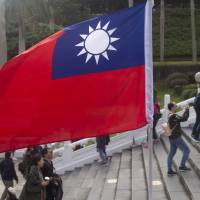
196,128
175,138
8,173
48,171
35,186
157,115
102,141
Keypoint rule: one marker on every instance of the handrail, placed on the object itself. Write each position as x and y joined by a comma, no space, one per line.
82,142
181,104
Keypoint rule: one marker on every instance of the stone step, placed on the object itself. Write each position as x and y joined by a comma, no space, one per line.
190,179
187,135
98,183
194,158
76,190
71,183
90,176
139,186
110,184
99,190
123,191
172,185
158,188
78,183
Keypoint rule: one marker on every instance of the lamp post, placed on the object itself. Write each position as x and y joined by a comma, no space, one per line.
197,79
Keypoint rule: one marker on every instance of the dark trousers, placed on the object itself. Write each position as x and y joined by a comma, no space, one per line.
49,192
49,197
196,128
155,136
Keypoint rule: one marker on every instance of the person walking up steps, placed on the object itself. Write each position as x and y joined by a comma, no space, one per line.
102,141
175,139
196,128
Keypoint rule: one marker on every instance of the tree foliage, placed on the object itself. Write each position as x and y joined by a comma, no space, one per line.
66,12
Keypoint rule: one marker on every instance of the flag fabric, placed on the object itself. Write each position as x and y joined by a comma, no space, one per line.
92,78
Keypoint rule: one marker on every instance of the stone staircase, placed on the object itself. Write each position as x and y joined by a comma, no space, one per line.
125,176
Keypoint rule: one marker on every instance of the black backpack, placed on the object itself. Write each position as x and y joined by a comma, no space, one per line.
58,187
22,168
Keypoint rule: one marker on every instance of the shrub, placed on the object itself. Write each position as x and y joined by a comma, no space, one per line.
178,89
177,80
191,77
188,93
90,142
190,86
178,83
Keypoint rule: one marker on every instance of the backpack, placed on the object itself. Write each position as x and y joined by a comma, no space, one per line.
22,168
166,127
58,187
1,166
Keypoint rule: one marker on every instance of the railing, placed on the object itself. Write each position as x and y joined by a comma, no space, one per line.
167,99
71,159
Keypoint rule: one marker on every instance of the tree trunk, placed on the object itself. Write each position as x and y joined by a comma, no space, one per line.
130,3
162,30
194,41
3,41
21,27
51,17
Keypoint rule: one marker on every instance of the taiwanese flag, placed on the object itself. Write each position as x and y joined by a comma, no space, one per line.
90,79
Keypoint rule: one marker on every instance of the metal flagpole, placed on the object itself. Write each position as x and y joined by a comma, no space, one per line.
149,89
150,145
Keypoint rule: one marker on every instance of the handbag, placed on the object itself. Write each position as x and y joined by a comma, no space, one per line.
166,127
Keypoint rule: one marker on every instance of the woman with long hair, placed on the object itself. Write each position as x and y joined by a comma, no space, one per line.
35,186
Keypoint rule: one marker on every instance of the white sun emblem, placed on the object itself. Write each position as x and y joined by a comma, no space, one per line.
97,42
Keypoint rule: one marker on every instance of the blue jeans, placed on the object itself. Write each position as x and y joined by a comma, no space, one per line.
174,145
102,153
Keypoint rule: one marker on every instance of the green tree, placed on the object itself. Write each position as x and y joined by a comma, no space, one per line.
193,27
21,25
3,40
162,29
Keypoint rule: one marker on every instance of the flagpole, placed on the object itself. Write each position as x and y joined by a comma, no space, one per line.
150,145
149,89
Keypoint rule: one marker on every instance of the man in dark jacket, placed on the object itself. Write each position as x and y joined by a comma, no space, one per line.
48,171
196,128
102,141
8,173
175,139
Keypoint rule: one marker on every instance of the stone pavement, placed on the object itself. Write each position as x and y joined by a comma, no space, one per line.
125,177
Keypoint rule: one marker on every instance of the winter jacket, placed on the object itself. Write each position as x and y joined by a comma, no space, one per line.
174,123
32,189
102,141
197,104
47,171
7,170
